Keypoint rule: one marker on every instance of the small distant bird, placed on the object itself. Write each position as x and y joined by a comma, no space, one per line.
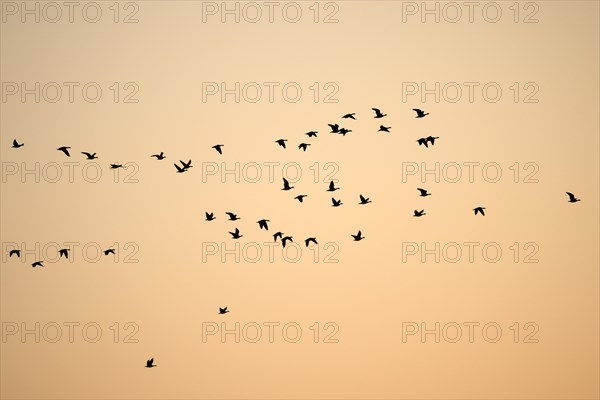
37,264
281,142
336,203
150,363
232,216
301,197
16,252
335,128
180,170
217,147
262,224
572,198
311,134
285,239
343,131
115,166
16,145
286,185
187,165
358,237
236,234
160,156
310,239
351,116
423,192
303,146
378,113
64,252
384,128
89,156
422,141
65,150
277,235
431,139
420,113
363,200
479,210
223,310
109,251
209,216
332,187
419,213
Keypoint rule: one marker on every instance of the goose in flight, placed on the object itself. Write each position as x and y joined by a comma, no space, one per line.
109,251
572,198
419,213
223,310
378,113
351,116
335,128
384,128
422,141
187,165
262,224
301,197
423,192
310,239
115,166
431,139
358,237
180,170
64,252
285,239
281,142
420,113
277,235
336,203
65,149
343,131
332,187
236,234
16,145
303,146
217,147
286,185
363,199
209,216
89,156
232,216
15,252
311,134
37,264
479,210
160,156
150,363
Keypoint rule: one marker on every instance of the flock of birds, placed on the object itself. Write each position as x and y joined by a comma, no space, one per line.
263,223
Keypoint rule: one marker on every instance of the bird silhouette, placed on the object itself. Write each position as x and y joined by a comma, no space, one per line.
223,310
351,116
343,131
300,197
115,166
363,200
277,235
423,192
232,216
310,239
65,150
16,252
285,239
236,234
335,128
187,165
16,145
420,113
332,187
64,252
311,134
262,224
37,264
431,139
281,142
150,363
209,216
89,156
358,237
384,128
303,146
160,156
109,251
180,170
479,210
286,185
217,147
572,198
419,213
422,141
336,203
378,113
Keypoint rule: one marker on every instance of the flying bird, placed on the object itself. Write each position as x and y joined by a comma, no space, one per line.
65,150
378,113
300,197
180,170
363,200
286,185
431,139
419,213
310,239
422,141
336,203
150,363
109,251
89,156
232,216
343,131
423,192
384,128
285,239
187,165
335,128
209,216
281,142
262,224
217,147
160,156
358,237
351,116
64,252
479,210
277,235
303,146
572,198
115,166
16,145
311,134
16,252
332,187
223,310
37,264
420,113
236,234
